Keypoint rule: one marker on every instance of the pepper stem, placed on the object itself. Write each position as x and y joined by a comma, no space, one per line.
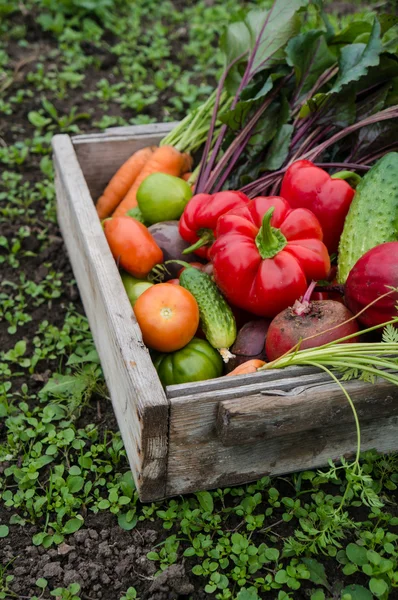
269,240
352,178
206,238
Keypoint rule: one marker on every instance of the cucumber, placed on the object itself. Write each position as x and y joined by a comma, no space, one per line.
373,215
215,316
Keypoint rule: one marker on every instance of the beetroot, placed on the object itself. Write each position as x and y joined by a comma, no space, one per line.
168,238
249,343
306,319
370,278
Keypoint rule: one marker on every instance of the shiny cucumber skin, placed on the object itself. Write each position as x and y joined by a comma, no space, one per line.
373,215
215,316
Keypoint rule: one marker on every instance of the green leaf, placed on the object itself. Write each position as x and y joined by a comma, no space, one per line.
279,148
355,59
281,26
205,500
310,56
72,525
271,554
90,357
378,587
125,522
75,483
74,588
356,554
4,531
153,556
357,592
38,120
127,484
318,595
240,37
281,576
373,557
248,594
65,385
317,571
349,569
349,34
41,583
390,40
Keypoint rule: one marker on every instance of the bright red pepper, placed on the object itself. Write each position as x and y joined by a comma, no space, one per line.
199,219
307,186
266,253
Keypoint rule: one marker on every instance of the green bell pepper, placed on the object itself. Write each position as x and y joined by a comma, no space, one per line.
195,362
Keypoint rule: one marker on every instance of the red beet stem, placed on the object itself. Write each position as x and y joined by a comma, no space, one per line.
303,306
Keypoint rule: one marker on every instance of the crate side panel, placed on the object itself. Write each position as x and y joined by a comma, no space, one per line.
198,458
100,155
138,399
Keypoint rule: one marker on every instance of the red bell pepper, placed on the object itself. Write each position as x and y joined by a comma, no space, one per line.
307,186
266,253
199,219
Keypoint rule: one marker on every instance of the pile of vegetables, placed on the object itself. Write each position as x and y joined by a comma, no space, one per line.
263,231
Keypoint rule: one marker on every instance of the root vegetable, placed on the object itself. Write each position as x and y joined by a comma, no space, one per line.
316,323
372,276
249,344
168,238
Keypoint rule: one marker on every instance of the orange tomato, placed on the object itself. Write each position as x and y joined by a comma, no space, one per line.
132,245
168,316
249,366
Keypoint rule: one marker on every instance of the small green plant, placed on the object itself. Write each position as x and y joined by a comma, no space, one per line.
69,593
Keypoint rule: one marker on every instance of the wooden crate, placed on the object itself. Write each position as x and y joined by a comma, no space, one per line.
212,433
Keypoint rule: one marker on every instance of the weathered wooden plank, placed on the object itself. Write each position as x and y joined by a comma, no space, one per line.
101,154
140,404
260,380
240,421
198,459
160,128
205,463
250,385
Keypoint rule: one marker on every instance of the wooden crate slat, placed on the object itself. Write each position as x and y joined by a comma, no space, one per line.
240,422
140,405
101,154
260,379
199,459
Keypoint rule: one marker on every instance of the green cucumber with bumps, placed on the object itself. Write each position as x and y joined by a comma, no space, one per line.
215,316
373,215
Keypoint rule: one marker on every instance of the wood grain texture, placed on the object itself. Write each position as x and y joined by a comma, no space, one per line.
198,458
101,154
138,399
301,410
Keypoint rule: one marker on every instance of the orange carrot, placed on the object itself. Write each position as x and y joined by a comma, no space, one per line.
249,366
186,175
165,159
122,181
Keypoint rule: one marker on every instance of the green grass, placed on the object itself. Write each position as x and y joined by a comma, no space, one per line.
274,536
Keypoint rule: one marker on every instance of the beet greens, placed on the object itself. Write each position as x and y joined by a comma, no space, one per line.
325,96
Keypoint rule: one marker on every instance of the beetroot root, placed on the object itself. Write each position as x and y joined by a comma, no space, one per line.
249,344
288,327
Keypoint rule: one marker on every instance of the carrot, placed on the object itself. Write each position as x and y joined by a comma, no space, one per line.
186,175
122,181
249,366
165,159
